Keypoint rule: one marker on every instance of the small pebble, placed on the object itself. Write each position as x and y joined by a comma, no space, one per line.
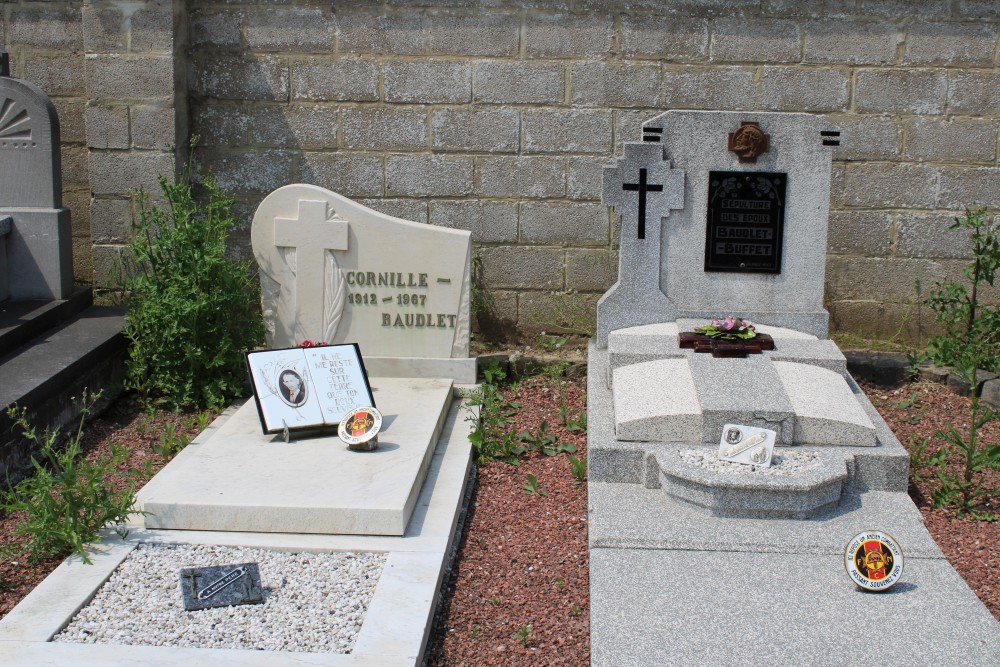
785,463
312,602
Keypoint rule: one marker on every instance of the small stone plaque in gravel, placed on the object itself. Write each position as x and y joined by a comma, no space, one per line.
220,586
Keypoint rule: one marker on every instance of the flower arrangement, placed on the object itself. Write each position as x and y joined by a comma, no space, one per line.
312,343
731,328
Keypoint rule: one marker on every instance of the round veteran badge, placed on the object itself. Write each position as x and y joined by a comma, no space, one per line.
874,560
359,428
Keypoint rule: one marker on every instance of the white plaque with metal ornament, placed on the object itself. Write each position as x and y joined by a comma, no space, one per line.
748,445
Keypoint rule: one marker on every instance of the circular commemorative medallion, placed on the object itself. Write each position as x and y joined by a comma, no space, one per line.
873,560
359,428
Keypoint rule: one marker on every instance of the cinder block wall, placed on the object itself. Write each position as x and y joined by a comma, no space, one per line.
496,116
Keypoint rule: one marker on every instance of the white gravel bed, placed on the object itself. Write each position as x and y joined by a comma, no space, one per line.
785,463
312,602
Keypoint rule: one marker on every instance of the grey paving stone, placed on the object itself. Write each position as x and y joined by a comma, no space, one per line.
778,609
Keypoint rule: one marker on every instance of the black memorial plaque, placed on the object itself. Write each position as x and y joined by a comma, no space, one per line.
220,586
746,221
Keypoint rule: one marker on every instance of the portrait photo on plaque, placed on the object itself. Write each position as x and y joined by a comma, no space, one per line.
308,387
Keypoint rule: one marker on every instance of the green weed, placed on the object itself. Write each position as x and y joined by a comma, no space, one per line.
542,441
491,436
525,636
531,487
171,443
971,340
68,499
579,468
971,328
549,342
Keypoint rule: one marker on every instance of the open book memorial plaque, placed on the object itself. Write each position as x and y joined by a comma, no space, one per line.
308,387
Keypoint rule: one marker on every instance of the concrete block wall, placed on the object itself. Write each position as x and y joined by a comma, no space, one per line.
136,115
496,116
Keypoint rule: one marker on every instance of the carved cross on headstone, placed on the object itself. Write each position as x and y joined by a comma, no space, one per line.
643,170
318,291
643,189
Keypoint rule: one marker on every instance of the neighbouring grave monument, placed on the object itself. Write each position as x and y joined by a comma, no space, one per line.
736,477
36,255
333,271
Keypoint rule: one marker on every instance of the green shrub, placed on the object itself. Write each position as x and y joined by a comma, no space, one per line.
971,329
193,310
68,499
971,340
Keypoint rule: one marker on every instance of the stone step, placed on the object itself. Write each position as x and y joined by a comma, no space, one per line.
48,374
22,320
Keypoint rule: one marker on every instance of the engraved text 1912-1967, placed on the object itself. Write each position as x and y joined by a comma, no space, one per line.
746,220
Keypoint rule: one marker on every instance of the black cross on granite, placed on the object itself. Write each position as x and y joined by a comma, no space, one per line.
642,187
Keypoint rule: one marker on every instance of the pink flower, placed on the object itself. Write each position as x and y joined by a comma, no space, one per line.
729,323
307,343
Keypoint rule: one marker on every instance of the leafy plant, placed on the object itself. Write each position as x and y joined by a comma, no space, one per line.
971,340
525,636
574,610
971,329
557,374
913,407
560,583
542,441
549,342
919,459
193,310
491,436
68,499
577,424
964,491
531,487
170,442
579,468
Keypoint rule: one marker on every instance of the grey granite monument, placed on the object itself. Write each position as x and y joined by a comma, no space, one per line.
661,277
725,214
37,259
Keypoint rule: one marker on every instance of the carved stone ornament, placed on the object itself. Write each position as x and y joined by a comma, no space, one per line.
749,142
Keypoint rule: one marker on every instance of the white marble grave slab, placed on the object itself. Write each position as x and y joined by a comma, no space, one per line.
333,270
242,480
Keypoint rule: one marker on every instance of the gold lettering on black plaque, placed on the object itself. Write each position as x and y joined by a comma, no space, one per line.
749,142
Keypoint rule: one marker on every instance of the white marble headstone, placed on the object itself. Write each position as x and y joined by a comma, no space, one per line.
335,271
